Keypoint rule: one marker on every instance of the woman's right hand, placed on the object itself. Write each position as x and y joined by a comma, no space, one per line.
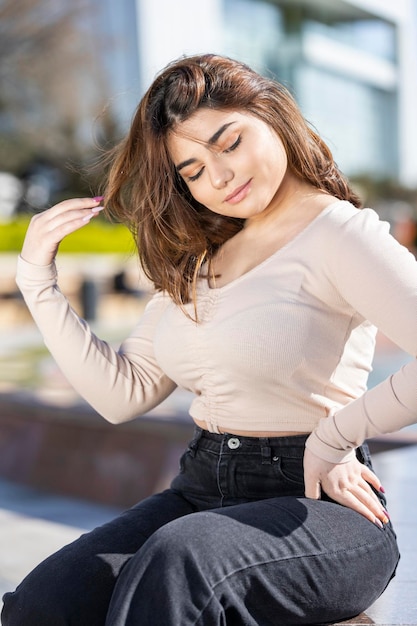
47,229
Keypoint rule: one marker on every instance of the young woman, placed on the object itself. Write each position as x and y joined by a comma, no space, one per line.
269,285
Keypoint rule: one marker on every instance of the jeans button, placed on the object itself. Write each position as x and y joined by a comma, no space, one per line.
233,443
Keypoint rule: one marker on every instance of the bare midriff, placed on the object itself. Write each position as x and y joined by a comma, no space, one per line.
253,433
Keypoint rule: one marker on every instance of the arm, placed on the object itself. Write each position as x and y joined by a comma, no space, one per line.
378,278
119,385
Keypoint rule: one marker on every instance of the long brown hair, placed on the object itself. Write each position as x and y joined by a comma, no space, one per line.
175,234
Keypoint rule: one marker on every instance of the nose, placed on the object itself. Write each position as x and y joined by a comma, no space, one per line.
220,173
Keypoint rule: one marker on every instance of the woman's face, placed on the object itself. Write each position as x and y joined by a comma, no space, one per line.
232,162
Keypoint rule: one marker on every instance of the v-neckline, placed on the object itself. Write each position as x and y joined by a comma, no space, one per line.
272,256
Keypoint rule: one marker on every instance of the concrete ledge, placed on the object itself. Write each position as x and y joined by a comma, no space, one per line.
73,451
400,439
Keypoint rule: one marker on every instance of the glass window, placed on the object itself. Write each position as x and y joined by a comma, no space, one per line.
356,120
252,32
373,36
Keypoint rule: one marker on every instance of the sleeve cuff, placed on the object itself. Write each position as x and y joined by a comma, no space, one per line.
327,452
29,272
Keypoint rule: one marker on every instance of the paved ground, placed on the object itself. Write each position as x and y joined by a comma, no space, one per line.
34,524
397,470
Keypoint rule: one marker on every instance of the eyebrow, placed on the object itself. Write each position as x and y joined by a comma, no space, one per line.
213,140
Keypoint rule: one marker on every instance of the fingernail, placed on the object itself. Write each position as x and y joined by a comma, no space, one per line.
387,514
98,198
88,217
381,489
97,209
379,523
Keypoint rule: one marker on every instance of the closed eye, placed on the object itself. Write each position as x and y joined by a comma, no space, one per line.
196,176
234,145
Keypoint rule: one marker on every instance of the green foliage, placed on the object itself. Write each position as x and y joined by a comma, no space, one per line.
11,235
97,237
374,190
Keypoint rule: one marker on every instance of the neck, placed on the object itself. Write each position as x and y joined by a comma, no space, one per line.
291,196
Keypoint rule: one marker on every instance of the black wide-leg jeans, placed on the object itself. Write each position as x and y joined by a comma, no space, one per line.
233,542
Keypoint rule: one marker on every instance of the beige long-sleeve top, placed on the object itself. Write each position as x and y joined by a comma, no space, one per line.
288,346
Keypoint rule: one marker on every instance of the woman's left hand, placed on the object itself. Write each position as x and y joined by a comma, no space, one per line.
347,483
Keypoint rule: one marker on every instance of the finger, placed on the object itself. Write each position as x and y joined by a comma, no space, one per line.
365,484
367,498
354,497
48,229
73,204
372,479
373,486
67,209
366,508
66,222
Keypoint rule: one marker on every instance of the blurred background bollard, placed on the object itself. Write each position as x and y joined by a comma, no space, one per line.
89,299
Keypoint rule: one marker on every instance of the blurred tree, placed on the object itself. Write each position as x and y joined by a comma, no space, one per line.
52,83
376,190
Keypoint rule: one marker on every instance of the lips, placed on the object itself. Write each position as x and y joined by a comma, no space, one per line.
239,193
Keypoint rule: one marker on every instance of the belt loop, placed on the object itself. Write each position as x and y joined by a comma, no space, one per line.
194,443
265,451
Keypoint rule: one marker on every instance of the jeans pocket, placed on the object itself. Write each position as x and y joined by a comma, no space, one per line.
291,470
250,478
183,460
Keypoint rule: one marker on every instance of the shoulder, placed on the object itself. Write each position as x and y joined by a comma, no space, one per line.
157,303
344,224
348,240
359,238
344,214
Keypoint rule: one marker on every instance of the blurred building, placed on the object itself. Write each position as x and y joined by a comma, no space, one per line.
351,64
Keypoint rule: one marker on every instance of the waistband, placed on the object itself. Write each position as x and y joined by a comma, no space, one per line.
290,445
